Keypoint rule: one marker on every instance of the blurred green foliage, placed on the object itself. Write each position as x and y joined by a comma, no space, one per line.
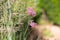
52,8
14,21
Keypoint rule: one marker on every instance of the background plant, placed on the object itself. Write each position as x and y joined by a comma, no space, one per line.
52,9
14,21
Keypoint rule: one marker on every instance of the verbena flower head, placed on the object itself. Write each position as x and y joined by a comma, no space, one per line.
33,24
31,12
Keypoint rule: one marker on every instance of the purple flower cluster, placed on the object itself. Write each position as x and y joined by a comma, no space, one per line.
33,24
31,12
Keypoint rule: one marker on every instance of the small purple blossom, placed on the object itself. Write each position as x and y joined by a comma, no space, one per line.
31,12
33,24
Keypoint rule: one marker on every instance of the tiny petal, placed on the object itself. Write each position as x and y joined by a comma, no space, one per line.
15,14
33,14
